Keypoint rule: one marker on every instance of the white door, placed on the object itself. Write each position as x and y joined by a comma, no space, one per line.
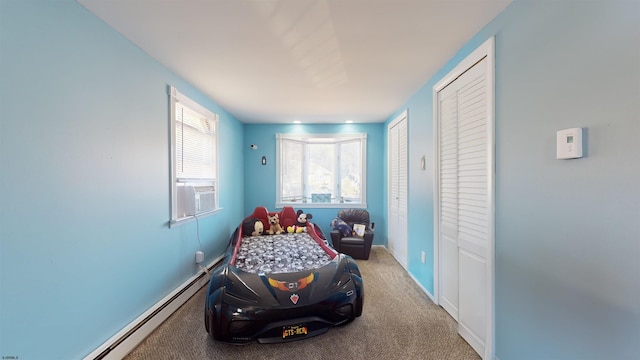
398,194
465,199
448,229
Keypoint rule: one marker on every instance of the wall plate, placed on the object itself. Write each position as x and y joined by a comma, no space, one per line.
569,144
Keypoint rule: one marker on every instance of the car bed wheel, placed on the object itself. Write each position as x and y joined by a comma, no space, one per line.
206,320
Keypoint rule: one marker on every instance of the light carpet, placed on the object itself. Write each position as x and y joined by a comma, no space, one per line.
398,322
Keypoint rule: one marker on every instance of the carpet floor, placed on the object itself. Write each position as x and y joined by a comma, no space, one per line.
398,322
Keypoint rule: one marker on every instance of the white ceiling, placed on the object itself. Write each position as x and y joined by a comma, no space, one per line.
317,61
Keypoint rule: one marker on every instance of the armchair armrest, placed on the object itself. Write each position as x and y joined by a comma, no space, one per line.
368,238
336,235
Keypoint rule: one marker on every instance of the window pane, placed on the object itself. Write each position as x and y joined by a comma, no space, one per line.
321,169
350,170
292,164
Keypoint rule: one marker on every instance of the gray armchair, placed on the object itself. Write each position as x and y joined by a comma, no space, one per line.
352,245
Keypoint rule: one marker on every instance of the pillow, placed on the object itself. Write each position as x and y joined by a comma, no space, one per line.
341,225
358,229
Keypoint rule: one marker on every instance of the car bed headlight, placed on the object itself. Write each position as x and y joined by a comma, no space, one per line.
341,278
235,287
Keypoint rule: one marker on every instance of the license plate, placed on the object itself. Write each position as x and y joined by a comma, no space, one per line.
294,331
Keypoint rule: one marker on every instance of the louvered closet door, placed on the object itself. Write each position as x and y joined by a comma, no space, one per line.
392,239
401,249
398,194
464,220
473,219
449,199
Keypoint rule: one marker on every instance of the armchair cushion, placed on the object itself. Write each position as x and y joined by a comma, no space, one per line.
352,240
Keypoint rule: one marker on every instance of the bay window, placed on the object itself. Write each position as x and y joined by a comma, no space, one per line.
321,170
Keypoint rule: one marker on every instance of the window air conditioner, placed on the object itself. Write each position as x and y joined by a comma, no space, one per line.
193,200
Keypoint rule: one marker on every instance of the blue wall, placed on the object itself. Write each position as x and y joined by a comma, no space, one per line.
567,232
260,180
420,205
84,182
84,245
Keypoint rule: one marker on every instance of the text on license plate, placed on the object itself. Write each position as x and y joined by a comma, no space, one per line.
294,331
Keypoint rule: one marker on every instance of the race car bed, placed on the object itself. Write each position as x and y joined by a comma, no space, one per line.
281,287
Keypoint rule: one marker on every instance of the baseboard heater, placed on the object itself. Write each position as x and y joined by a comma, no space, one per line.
122,343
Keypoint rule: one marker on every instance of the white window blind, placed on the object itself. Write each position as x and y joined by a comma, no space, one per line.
195,145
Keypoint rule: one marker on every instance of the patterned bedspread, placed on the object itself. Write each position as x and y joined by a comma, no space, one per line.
272,254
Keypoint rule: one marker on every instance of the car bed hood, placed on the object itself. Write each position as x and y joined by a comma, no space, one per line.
289,289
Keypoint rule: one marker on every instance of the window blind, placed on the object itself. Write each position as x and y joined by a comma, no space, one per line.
195,146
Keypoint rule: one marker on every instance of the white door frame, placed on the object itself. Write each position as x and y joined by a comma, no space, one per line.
486,50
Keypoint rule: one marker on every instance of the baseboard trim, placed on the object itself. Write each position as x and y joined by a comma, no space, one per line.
429,295
124,341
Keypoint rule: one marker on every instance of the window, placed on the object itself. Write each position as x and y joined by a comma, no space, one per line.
194,154
321,170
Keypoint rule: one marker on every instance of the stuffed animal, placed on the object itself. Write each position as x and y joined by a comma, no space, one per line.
274,225
252,227
342,226
296,229
301,221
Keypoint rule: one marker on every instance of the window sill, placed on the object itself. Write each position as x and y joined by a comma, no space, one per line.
192,218
312,205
